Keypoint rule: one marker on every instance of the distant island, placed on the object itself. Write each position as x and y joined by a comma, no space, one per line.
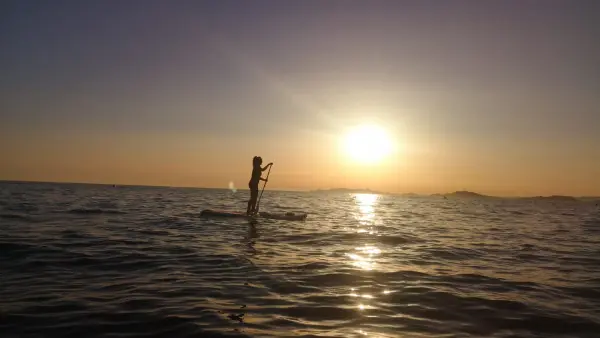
467,194
463,194
470,194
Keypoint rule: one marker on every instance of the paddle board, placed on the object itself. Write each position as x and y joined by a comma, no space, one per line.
287,216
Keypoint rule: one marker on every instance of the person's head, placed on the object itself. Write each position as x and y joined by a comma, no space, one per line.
256,161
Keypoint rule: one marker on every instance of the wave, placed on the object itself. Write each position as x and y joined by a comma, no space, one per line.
455,253
22,207
15,216
17,250
383,239
163,322
85,211
396,240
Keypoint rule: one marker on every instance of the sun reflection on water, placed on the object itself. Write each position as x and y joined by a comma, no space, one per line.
365,214
366,202
365,258
369,250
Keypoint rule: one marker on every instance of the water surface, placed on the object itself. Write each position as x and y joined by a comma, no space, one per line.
103,261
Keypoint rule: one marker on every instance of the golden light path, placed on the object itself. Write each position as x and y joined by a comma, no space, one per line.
364,257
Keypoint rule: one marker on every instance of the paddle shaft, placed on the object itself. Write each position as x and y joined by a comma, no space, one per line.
263,189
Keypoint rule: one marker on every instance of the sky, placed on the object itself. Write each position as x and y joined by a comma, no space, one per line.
497,97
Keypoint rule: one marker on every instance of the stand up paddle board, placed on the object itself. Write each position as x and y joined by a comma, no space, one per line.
287,216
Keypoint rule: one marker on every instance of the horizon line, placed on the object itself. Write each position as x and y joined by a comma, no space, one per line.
294,190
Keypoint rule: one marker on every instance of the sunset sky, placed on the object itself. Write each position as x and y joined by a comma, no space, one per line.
497,97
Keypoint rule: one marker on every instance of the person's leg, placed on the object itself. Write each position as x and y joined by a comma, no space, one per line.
253,198
250,203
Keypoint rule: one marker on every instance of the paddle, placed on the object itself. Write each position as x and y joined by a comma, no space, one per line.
263,189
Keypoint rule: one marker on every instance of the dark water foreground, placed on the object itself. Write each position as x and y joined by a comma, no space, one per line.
98,261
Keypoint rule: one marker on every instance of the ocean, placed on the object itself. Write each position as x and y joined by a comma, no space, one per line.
81,260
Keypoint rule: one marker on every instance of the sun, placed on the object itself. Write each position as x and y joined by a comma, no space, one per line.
367,144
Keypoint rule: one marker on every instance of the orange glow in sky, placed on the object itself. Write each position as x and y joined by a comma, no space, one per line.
426,98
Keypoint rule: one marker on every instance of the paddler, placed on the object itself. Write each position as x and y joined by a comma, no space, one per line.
253,184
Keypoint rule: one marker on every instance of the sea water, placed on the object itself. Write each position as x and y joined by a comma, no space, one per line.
102,261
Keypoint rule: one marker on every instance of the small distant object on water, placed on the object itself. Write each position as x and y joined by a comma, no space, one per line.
239,317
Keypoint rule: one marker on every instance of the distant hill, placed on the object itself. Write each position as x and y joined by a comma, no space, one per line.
464,194
470,194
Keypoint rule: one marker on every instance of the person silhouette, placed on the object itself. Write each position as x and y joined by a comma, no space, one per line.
253,184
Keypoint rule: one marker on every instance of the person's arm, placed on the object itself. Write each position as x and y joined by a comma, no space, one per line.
268,165
263,179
